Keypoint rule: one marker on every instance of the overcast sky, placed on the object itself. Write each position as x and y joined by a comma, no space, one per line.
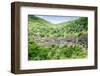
58,19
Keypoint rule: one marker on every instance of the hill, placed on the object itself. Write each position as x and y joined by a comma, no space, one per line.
57,41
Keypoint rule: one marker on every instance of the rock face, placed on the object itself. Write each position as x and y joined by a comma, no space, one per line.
48,41
83,40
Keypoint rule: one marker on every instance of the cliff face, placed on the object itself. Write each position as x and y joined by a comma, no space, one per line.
69,40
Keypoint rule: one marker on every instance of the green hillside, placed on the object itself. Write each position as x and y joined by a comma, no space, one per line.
66,40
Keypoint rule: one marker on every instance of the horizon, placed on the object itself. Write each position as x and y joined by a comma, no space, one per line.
57,19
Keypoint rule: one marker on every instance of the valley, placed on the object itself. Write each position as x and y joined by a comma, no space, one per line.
66,40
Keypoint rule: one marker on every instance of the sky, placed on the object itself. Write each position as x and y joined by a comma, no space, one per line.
58,19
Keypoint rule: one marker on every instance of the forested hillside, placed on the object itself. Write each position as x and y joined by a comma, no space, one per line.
66,40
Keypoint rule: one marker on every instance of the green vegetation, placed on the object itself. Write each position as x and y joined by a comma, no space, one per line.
47,41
